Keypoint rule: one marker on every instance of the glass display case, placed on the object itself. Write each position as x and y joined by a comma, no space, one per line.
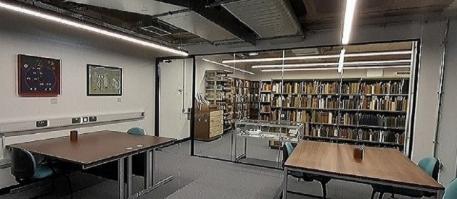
249,133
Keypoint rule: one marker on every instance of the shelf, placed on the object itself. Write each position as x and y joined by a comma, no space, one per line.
343,110
265,112
346,95
354,141
359,126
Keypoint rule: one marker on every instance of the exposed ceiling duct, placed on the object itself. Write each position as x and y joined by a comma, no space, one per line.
188,21
272,18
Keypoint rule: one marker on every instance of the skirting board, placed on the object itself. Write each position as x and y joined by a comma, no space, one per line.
15,128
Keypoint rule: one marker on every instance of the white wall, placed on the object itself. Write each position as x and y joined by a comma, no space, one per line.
19,35
447,137
430,33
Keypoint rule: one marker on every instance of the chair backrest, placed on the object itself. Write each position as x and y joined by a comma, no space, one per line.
286,151
431,166
136,131
23,165
451,190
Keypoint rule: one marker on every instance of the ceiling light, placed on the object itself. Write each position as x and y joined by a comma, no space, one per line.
335,68
317,57
348,19
341,61
334,64
79,25
253,54
227,66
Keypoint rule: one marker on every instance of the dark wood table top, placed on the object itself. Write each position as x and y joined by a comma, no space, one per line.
94,148
378,164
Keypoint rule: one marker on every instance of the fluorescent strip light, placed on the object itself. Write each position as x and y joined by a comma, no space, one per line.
333,64
89,28
341,61
334,68
227,66
348,19
317,57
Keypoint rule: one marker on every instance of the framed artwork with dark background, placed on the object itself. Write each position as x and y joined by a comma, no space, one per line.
38,76
104,80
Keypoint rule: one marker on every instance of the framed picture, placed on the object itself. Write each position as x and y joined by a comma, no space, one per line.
38,76
104,80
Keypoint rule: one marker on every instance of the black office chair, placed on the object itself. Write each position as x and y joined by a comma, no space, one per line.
287,150
26,169
430,165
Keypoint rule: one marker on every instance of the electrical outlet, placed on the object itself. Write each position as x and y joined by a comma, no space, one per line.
85,119
92,118
119,99
76,120
42,123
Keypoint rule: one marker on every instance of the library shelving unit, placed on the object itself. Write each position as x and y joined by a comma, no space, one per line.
219,91
265,100
254,100
242,98
360,111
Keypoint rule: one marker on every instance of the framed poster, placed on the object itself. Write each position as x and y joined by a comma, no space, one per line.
104,80
38,76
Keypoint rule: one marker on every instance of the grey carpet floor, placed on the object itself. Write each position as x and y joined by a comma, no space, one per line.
202,178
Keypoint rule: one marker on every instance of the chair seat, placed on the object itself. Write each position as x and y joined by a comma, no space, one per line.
42,172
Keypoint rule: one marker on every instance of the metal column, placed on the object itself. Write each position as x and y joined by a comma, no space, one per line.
120,177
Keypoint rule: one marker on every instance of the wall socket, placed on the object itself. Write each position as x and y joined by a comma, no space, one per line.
92,118
76,120
85,119
42,123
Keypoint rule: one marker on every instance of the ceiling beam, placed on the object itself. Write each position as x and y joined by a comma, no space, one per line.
219,16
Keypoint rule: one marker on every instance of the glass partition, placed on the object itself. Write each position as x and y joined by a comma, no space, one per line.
356,94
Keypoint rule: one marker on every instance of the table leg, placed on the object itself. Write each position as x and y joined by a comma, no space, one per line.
120,177
153,172
129,176
440,194
148,170
284,184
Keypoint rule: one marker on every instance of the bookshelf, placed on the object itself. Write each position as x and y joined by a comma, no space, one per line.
361,111
219,91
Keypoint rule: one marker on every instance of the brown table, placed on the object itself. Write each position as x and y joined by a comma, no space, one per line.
380,166
97,148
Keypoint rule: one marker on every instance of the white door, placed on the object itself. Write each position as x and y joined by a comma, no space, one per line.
175,98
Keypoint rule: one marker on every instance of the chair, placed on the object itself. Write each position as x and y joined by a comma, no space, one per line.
430,165
136,131
451,190
26,169
287,150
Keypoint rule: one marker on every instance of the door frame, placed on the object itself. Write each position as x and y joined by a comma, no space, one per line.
157,99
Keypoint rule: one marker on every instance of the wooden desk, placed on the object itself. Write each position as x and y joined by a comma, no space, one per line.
382,166
97,148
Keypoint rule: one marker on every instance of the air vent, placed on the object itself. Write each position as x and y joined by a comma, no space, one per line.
402,74
156,30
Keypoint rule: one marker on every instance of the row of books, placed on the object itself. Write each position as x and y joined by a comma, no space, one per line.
247,98
318,87
242,83
305,102
390,87
265,87
265,108
265,97
385,103
398,121
356,134
322,117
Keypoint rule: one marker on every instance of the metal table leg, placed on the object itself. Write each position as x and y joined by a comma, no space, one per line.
284,188
148,170
120,177
440,194
129,176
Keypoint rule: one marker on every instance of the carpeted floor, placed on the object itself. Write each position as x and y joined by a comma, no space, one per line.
202,178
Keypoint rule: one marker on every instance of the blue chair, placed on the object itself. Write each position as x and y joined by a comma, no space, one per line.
287,149
136,131
451,190
26,169
430,165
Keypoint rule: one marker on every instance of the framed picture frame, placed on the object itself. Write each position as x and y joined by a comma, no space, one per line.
104,80
38,76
